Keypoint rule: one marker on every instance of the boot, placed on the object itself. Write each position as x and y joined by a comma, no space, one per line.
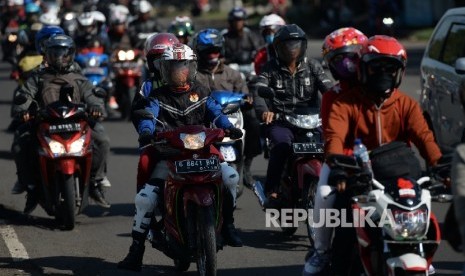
18,188
133,260
248,178
97,195
230,235
31,201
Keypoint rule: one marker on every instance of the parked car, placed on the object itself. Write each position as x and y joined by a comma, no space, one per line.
442,72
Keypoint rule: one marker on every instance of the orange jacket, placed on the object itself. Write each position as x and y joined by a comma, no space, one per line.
399,118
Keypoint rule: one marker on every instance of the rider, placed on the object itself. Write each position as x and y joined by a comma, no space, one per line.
269,25
296,82
183,28
212,72
59,56
89,36
168,104
143,24
399,118
117,30
241,43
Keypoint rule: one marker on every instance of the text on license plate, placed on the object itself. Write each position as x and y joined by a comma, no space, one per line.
197,165
308,147
71,127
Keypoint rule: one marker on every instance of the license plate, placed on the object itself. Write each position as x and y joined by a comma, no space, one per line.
197,165
71,127
93,71
308,147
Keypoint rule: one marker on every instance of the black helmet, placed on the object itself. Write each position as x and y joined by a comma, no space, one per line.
59,52
288,38
237,13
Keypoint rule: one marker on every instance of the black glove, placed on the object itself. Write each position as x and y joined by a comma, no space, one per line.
336,175
145,138
235,133
443,166
96,111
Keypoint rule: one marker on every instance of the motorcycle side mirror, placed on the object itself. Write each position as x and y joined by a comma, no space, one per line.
460,66
442,198
20,99
100,92
265,92
66,93
230,108
142,114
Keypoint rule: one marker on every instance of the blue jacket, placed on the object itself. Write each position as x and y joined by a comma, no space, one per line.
194,107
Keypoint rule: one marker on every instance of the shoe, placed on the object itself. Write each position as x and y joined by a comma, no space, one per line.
97,195
272,202
316,263
230,235
431,270
133,260
31,202
18,188
112,103
105,183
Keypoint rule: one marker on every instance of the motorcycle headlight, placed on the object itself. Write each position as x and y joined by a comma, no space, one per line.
56,147
12,38
193,141
409,224
121,55
126,55
92,62
304,121
130,55
76,146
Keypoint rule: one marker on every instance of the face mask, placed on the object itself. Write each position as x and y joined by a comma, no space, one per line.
380,85
269,38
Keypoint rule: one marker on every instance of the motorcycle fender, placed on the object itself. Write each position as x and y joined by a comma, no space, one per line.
408,262
201,196
67,166
311,167
129,82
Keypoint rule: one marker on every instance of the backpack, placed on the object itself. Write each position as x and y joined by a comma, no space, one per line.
50,85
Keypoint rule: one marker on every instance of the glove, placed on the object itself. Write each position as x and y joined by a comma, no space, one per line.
145,138
235,133
96,111
336,176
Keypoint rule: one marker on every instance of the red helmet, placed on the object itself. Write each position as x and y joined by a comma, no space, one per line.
385,49
155,46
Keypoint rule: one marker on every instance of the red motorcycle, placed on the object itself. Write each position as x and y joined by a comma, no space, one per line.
193,198
64,155
127,66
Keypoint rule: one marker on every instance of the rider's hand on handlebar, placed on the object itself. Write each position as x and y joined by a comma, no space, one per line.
338,178
234,133
267,117
145,138
96,111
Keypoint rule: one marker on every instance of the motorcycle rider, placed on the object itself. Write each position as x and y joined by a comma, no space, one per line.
380,71
183,28
288,73
143,24
269,25
117,30
168,103
59,56
89,36
241,43
212,72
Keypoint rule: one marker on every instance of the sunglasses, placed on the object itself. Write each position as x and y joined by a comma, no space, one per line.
381,65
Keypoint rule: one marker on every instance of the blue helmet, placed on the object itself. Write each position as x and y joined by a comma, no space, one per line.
45,33
32,8
208,39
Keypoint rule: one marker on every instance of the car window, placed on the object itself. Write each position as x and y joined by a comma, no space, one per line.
454,46
436,45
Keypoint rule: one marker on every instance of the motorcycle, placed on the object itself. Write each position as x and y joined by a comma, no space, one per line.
127,66
69,24
407,233
10,46
233,150
193,196
302,170
64,154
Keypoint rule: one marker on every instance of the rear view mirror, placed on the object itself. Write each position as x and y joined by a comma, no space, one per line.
460,66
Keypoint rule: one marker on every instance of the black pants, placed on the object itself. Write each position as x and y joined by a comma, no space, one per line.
252,145
25,154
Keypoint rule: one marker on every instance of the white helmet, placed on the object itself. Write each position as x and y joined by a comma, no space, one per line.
50,19
271,20
86,19
118,14
178,66
98,16
144,6
15,2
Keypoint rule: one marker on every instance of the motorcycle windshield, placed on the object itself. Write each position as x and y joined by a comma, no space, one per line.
226,97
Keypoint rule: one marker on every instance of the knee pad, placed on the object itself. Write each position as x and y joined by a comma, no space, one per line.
230,179
146,200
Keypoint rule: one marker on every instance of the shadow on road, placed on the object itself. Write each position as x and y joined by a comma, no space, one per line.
4,154
273,239
125,150
126,209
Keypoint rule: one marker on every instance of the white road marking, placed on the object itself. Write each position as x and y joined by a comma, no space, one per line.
17,250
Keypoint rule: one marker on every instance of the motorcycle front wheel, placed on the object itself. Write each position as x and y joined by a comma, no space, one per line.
66,202
206,241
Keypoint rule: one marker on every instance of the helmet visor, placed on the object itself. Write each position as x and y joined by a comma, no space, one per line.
290,50
345,65
387,65
60,57
178,73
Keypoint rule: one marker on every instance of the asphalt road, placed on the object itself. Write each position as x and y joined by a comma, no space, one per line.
101,238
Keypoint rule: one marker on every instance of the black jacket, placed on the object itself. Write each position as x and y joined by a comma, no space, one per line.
291,91
240,49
